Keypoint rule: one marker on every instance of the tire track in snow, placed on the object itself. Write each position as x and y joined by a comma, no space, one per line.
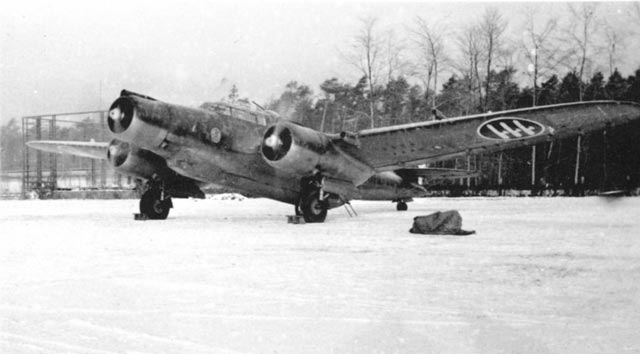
556,321
76,311
188,346
51,346
316,319
12,347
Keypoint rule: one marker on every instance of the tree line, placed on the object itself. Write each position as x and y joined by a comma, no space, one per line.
401,70
345,106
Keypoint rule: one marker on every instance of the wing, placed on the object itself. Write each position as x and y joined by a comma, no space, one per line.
94,150
395,147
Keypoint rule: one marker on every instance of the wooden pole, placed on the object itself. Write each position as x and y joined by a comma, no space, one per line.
25,159
39,156
576,176
53,159
468,169
577,171
475,166
533,166
603,183
103,163
500,171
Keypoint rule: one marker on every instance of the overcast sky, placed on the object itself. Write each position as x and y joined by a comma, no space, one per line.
68,56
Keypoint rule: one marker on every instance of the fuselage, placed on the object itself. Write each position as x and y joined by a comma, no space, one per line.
221,144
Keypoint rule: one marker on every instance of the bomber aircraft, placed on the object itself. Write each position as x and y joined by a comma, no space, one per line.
175,150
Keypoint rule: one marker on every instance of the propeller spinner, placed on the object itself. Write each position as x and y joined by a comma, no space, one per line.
120,115
276,142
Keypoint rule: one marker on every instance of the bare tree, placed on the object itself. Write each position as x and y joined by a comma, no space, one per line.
430,42
613,40
492,27
538,47
468,42
580,33
633,13
394,60
365,54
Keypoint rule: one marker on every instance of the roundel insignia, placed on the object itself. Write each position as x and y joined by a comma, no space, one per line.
215,135
510,128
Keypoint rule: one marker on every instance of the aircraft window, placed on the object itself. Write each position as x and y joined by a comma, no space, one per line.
218,108
241,113
245,116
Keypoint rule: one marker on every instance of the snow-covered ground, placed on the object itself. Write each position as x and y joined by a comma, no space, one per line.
541,275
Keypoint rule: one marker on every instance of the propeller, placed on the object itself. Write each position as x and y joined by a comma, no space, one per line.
276,142
118,152
273,141
120,115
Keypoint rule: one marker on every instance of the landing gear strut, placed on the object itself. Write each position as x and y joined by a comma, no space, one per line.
313,204
155,204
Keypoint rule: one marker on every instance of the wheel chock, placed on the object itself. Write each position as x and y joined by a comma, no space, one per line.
295,219
140,216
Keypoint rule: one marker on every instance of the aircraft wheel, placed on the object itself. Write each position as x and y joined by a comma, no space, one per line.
313,209
401,206
153,207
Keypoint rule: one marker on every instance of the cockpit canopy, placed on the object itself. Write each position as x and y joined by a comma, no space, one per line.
245,112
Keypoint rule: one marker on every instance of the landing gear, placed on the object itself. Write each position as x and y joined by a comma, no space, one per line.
297,209
313,204
401,206
314,209
155,205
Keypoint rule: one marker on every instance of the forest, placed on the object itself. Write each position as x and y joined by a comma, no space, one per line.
430,71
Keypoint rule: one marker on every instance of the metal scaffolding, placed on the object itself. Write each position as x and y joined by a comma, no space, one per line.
44,173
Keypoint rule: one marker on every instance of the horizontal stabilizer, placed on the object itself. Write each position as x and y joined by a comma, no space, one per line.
93,150
436,173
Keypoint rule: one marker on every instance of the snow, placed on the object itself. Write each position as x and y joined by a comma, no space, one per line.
228,275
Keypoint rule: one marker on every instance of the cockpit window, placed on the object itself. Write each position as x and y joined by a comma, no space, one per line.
245,113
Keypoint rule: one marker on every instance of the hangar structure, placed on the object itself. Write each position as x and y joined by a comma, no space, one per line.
45,174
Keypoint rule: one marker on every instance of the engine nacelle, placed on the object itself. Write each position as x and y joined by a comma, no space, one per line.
303,151
133,161
136,120
294,149
147,122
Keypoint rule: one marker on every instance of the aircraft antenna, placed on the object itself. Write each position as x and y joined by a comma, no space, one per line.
259,106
